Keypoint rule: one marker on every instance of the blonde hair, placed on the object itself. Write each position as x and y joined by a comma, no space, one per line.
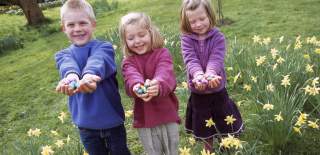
80,5
144,21
190,5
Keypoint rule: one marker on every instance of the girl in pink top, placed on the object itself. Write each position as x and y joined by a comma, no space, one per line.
149,78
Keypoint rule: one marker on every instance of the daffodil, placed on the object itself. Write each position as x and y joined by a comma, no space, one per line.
285,81
114,47
247,87
270,87
36,132
47,150
254,79
313,124
280,60
229,68
68,139
206,152
297,130
59,143
266,41
184,151
256,39
236,77
278,117
306,56
268,106
274,53
309,68
274,67
85,153
260,60
62,116
281,39
184,85
54,132
192,141
230,119
209,123
315,81
317,50
230,142
128,113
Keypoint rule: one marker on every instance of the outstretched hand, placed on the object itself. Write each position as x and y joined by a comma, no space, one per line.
214,81
64,87
88,83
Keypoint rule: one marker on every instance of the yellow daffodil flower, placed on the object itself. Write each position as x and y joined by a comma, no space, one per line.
236,77
256,39
268,106
209,123
206,152
281,39
266,41
254,79
47,150
128,113
59,143
230,119
270,87
260,60
278,117
192,141
184,151
317,50
280,60
274,52
54,132
297,130
309,68
247,87
313,124
285,81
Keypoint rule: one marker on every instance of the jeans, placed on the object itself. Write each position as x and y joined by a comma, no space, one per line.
111,141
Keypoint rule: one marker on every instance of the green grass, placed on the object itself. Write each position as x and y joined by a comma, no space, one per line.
28,75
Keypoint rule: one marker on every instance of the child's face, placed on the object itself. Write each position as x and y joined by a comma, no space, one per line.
198,20
78,27
138,39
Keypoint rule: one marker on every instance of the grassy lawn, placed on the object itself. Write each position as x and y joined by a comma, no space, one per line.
28,75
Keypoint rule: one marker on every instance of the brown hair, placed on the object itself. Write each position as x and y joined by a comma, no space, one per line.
157,40
190,5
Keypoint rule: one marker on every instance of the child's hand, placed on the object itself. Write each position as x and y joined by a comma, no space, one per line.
152,87
141,93
200,83
64,87
88,83
213,81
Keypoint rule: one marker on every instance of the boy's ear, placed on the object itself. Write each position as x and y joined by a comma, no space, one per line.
94,23
62,28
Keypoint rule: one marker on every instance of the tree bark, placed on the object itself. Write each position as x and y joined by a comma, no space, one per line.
31,10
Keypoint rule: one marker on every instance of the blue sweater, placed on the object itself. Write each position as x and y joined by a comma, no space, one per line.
101,109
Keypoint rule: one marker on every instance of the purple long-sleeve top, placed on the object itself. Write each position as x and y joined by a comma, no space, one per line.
204,56
156,64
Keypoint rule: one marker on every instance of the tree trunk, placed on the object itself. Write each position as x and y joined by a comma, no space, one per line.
31,10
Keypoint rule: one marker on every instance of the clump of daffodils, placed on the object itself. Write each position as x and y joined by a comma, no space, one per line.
231,142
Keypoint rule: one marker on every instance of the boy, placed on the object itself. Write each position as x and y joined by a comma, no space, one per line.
88,74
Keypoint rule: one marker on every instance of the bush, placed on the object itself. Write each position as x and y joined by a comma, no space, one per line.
10,42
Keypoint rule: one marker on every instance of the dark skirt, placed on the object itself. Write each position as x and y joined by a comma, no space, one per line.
218,106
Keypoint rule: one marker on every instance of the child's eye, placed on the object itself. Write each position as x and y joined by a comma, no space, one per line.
70,25
83,23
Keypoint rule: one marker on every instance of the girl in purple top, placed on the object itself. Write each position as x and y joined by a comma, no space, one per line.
149,78
203,49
